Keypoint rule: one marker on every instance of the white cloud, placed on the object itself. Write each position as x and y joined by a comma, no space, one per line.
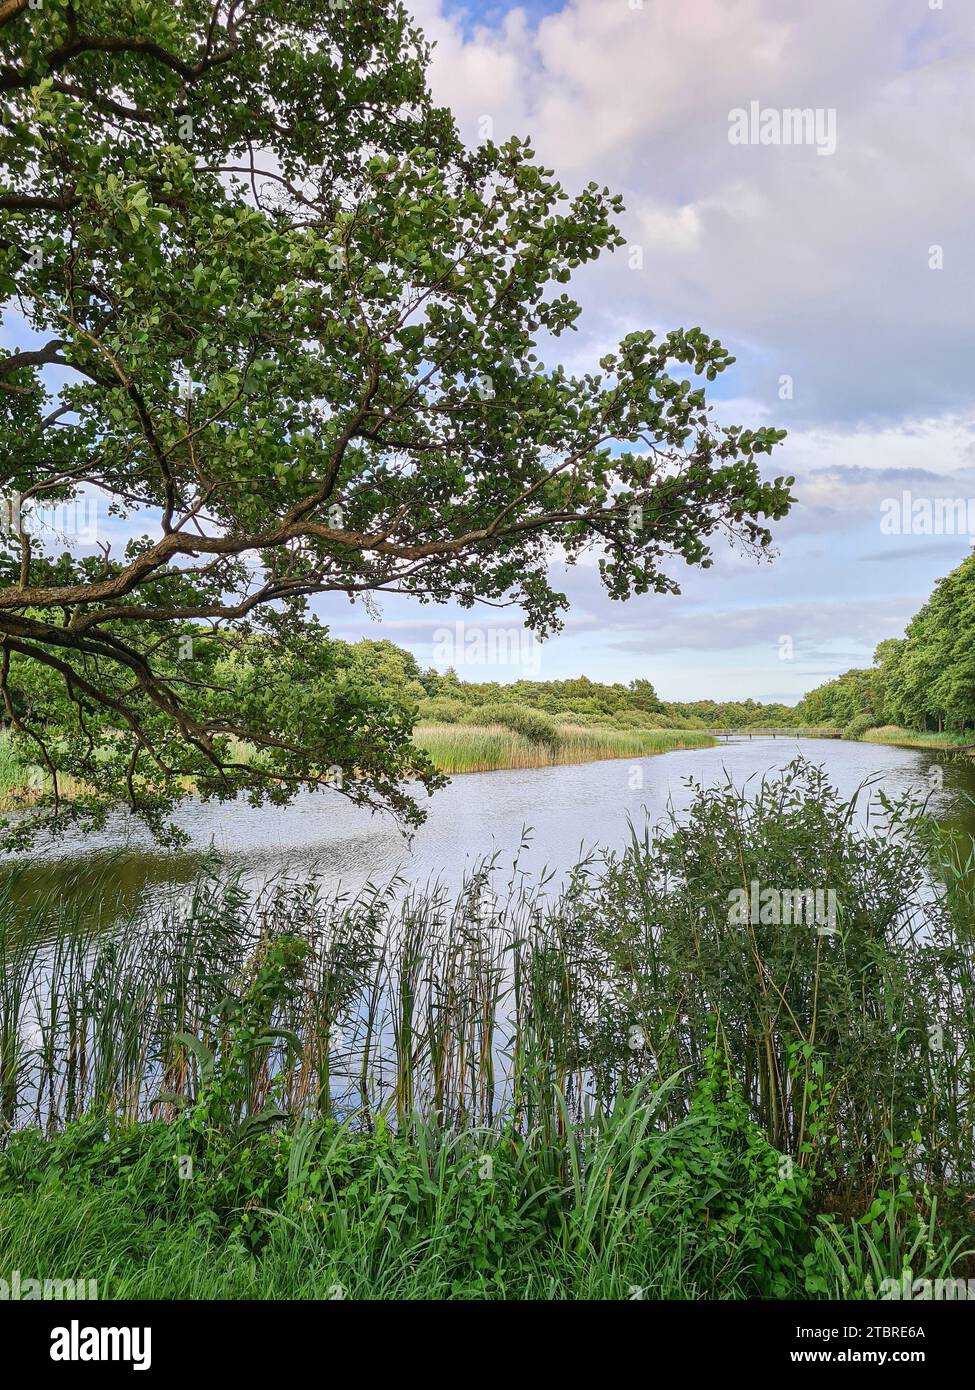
819,264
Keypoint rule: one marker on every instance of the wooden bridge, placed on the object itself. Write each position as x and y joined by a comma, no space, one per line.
776,733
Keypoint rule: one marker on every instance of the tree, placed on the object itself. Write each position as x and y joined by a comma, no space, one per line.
932,675
391,672
886,660
643,696
287,327
842,701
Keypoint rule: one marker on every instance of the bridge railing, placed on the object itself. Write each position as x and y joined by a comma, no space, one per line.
800,732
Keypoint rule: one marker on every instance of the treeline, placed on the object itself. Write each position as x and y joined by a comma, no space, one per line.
924,680
443,698
584,701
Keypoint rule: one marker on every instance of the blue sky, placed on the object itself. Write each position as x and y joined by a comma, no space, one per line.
842,281
489,12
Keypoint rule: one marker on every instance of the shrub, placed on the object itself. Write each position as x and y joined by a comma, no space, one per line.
531,724
862,724
638,719
441,709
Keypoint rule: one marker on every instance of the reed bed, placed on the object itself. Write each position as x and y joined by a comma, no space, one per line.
455,748
458,748
509,1001
914,738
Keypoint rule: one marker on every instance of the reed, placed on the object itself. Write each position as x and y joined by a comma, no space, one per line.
923,738
514,1001
459,748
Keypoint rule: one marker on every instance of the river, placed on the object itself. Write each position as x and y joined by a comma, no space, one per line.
547,818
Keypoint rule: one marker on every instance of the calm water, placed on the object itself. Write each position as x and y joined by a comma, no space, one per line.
559,813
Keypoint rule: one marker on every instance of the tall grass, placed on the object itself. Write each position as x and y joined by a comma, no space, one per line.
22,783
457,748
15,779
915,738
324,1211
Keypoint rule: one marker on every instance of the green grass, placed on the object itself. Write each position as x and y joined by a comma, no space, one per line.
21,784
626,1207
326,1211
913,738
457,748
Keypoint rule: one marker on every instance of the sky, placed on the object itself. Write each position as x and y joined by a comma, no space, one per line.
838,270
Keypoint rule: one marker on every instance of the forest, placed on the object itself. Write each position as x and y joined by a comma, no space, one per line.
923,682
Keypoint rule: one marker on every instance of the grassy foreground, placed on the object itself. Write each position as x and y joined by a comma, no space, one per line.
626,1207
628,1090
457,748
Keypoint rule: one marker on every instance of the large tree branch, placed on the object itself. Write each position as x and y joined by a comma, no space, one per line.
37,357
12,79
176,543
10,9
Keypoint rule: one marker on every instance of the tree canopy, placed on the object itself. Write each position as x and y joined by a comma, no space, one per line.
924,680
265,306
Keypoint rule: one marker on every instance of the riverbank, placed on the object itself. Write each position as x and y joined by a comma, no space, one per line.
897,737
459,748
268,1091
780,731
490,747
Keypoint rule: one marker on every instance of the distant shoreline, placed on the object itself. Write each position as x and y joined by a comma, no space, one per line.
896,737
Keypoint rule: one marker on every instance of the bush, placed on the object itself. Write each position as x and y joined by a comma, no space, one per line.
860,972
441,709
638,719
859,726
531,724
